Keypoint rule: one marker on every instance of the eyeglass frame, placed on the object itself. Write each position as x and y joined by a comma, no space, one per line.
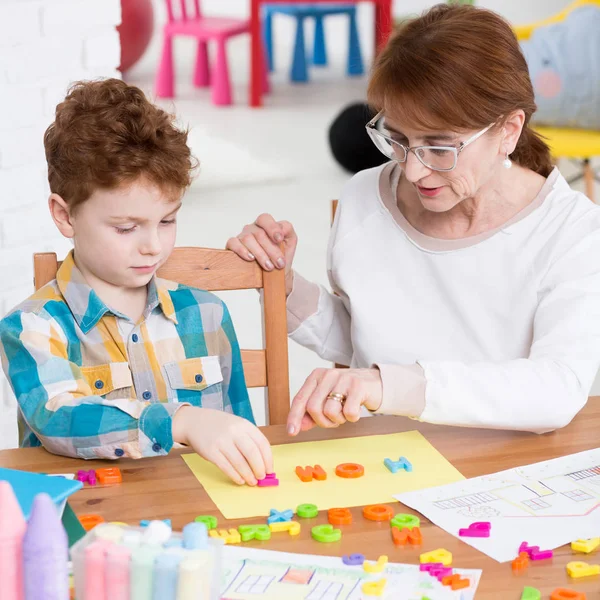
456,150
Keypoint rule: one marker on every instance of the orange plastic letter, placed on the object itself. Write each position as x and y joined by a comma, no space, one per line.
339,516
349,470
308,473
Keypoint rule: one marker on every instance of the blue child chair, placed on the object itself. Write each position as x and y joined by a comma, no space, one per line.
299,71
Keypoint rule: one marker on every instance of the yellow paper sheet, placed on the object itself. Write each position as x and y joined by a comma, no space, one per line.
378,484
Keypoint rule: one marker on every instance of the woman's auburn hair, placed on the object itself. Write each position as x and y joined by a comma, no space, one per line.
458,67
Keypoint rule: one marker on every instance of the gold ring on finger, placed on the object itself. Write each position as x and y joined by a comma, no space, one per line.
341,398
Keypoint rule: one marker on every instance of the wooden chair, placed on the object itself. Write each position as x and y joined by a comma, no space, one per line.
220,270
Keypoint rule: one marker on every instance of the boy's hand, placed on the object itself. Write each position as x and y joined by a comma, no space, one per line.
232,443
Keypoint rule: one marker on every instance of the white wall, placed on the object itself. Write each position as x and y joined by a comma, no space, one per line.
44,46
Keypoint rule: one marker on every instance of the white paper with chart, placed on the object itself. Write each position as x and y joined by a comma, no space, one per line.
252,574
546,504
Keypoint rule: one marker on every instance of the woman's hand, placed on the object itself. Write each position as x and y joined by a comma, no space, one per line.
311,405
232,443
261,241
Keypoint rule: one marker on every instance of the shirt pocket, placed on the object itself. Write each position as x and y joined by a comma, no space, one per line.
192,375
109,380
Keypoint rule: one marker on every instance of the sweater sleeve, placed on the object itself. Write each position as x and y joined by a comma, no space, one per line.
547,389
319,319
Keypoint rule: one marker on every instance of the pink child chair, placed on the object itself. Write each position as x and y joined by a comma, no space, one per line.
204,29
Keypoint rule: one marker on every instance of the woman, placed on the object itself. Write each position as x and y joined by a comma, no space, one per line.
466,270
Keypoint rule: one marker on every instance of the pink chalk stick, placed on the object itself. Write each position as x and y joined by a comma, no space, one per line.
428,566
269,481
477,530
12,530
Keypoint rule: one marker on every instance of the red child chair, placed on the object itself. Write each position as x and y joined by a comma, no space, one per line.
189,21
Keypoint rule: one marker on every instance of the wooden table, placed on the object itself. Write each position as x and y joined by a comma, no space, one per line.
382,25
163,487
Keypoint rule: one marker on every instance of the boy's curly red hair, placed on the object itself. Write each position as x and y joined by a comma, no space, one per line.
107,134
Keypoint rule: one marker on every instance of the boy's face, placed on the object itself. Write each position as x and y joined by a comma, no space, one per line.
123,236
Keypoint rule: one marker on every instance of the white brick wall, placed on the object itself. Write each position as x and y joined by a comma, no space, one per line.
45,45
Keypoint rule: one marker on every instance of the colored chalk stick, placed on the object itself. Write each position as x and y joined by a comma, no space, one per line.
269,481
254,532
440,555
307,474
531,593
586,546
404,520
350,470
578,569
480,529
325,534
353,559
378,512
376,567
307,511
339,516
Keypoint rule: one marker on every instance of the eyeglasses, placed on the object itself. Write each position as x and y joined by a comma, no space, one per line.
436,158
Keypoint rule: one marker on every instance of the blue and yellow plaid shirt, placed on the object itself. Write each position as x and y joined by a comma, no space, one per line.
90,383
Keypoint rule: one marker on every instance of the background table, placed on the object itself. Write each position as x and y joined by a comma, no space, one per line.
382,25
163,487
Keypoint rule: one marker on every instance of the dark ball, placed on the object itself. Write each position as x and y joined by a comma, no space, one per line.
349,141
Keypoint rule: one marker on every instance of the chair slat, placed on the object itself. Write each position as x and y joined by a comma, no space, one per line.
255,368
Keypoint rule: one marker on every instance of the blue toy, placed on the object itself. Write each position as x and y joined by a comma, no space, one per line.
299,71
564,66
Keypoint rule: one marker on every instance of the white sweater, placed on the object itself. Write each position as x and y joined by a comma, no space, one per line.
499,330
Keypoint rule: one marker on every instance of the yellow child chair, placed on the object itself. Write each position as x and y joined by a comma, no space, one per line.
573,144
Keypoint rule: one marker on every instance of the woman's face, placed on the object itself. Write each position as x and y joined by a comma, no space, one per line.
477,165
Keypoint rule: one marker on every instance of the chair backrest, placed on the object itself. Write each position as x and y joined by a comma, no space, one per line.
221,270
183,10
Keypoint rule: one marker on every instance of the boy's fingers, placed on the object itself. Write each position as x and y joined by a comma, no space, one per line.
239,463
265,449
252,455
221,462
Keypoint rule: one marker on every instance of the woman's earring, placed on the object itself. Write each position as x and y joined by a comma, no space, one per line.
507,163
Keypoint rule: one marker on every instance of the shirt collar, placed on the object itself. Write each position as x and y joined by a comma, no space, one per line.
87,307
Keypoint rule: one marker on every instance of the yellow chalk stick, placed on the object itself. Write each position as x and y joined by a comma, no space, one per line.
437,556
292,526
376,567
581,569
374,588
586,546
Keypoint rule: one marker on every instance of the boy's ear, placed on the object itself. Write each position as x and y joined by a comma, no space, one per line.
61,215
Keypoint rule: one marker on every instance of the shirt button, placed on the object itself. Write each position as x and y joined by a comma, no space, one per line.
198,378
119,452
146,395
135,338
99,384
156,447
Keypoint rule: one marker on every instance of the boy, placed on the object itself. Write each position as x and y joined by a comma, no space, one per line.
108,360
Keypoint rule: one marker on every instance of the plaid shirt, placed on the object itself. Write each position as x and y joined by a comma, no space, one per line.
90,383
